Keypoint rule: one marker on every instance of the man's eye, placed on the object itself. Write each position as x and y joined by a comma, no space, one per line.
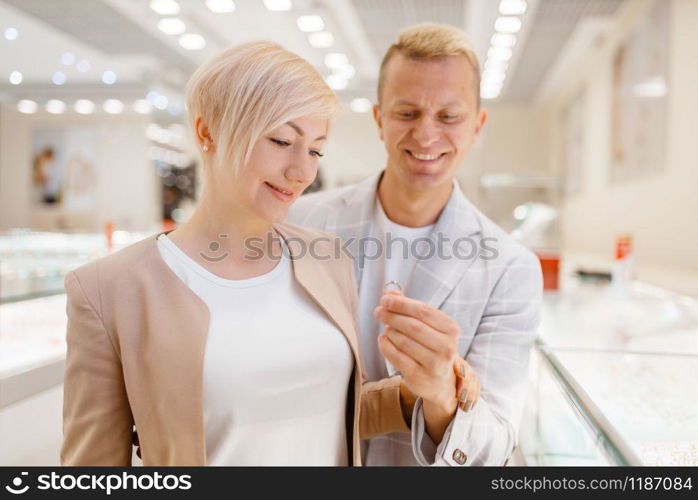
449,117
405,114
280,142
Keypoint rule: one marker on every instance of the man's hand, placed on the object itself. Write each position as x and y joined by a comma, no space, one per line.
421,342
468,388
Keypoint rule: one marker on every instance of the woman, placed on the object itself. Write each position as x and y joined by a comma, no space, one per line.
232,339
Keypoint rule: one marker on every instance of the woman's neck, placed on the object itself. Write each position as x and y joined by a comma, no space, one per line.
228,240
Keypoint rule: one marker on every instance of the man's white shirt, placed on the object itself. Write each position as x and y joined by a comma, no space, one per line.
487,282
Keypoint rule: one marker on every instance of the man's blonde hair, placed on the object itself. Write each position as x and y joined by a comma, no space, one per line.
250,89
430,40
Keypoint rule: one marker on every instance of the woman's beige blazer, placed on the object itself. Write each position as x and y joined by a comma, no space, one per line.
136,338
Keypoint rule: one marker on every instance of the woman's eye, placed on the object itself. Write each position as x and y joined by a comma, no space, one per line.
280,142
315,152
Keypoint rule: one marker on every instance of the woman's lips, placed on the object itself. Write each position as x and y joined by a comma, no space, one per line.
280,193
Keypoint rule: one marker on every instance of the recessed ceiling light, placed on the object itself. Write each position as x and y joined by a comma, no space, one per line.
503,40
164,7
512,7
346,71
113,106
309,24
507,24
15,78
360,105
83,65
151,96
192,41
336,82
221,6
109,77
499,53
335,60
59,78
84,106
651,87
67,58
27,106
490,91
321,39
142,107
172,26
161,102
496,64
55,106
278,5
493,76
11,33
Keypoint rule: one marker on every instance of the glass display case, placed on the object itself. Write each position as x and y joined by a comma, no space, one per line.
557,427
33,322
33,264
613,377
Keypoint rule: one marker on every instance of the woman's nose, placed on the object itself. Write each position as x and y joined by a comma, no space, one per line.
302,169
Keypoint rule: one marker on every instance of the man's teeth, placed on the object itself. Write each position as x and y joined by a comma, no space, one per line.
425,157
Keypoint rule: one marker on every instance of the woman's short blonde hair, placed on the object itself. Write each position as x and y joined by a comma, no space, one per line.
250,89
429,40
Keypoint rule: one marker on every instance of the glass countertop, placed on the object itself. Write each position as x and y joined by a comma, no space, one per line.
649,399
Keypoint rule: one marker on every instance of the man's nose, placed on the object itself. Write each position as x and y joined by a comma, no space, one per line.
426,132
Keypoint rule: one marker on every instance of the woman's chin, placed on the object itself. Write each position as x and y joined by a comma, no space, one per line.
273,215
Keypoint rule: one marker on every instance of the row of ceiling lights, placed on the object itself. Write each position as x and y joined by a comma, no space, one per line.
175,26
67,59
318,37
83,106
314,25
507,25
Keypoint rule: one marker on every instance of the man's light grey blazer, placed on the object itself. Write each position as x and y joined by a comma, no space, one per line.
490,284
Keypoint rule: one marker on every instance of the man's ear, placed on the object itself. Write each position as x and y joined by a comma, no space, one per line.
378,118
480,121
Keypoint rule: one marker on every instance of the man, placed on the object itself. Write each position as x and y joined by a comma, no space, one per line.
412,225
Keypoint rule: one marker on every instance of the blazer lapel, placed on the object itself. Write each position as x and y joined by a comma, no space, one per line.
312,275
353,221
177,323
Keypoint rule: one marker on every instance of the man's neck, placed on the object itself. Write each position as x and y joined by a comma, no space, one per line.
409,207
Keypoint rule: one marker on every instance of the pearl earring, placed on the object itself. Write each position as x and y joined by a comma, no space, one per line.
205,148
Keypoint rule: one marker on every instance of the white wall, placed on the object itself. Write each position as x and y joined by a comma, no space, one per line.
353,151
659,210
127,190
513,141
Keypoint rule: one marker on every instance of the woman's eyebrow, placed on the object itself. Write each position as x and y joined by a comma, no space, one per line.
300,132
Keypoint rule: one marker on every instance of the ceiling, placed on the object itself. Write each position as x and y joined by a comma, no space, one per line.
122,36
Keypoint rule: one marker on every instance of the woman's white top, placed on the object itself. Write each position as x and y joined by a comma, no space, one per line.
276,369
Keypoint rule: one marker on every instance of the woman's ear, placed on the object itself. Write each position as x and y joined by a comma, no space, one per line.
203,137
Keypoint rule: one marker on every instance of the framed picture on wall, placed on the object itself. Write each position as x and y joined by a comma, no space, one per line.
63,173
640,88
